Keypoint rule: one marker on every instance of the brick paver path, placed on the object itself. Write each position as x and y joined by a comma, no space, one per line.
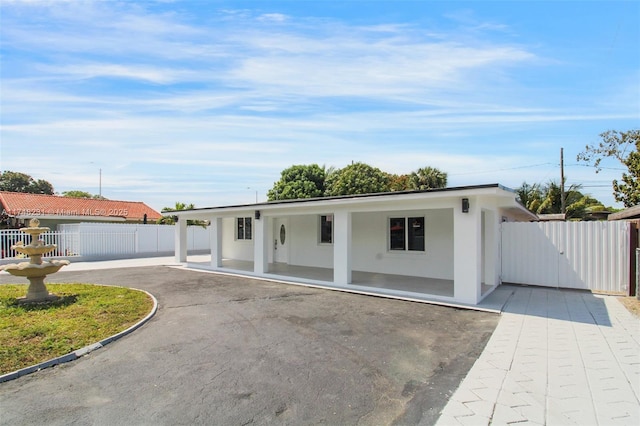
557,357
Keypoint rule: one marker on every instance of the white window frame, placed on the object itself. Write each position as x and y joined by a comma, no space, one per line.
243,236
406,219
331,221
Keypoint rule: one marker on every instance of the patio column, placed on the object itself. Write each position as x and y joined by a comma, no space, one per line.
342,247
467,253
260,250
181,240
491,237
215,234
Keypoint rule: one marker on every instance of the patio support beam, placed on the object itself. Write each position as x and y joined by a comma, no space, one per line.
467,253
342,247
215,235
181,240
260,250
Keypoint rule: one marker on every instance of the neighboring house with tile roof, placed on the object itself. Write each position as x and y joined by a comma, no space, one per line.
52,210
630,213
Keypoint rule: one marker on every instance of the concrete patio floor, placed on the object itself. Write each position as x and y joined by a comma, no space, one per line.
400,286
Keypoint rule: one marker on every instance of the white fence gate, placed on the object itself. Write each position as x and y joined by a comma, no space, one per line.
580,255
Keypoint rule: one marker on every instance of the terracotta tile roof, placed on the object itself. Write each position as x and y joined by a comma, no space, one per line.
34,205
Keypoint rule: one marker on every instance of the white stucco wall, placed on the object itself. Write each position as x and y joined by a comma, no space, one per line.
232,248
304,248
370,244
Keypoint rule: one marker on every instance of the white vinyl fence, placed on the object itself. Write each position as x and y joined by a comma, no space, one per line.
10,237
580,255
105,240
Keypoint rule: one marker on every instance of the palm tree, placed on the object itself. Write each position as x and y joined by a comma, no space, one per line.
427,178
170,220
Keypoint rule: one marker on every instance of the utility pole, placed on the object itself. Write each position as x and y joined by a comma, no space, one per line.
563,207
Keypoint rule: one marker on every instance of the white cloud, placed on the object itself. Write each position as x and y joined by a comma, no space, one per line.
273,17
148,73
180,102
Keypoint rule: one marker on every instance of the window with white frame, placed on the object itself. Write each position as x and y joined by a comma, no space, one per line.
326,229
243,228
406,233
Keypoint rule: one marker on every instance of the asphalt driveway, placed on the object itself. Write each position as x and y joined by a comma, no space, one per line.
236,351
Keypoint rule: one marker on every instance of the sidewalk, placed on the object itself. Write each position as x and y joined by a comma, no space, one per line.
556,357
129,263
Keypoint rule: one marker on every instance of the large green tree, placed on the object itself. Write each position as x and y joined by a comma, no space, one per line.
20,182
299,181
399,182
624,147
356,178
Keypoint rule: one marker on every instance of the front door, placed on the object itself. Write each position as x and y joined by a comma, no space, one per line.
281,241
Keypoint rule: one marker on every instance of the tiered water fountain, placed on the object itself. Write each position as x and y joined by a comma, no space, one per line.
36,269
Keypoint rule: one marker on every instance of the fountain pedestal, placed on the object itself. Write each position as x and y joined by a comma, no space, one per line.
36,269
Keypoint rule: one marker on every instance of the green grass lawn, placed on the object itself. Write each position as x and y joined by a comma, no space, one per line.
85,314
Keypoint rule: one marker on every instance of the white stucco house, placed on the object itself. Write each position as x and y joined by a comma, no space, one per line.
440,245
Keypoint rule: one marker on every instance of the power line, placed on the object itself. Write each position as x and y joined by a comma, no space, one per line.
599,167
501,170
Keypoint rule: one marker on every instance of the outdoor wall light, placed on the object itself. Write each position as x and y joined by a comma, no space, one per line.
465,205
257,214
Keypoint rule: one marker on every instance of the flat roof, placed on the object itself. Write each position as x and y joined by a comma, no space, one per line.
347,197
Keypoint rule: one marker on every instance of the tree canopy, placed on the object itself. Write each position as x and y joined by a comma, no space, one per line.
299,181
170,220
427,178
310,181
82,194
546,199
21,182
356,178
624,147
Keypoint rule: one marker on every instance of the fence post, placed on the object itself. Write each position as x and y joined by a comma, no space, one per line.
633,245
637,283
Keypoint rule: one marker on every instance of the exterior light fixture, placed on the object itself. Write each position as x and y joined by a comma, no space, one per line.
257,214
465,205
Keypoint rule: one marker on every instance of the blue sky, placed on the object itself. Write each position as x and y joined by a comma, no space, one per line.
205,102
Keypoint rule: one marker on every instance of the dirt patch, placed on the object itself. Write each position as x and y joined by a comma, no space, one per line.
632,304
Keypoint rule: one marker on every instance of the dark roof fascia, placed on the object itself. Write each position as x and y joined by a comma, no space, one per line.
346,197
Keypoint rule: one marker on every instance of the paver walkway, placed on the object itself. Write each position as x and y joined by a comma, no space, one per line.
557,357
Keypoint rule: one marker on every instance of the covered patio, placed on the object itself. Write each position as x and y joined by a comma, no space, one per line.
440,246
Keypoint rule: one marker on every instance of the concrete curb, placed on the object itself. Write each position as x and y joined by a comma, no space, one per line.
72,356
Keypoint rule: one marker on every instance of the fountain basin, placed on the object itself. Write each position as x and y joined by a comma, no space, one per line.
34,250
26,269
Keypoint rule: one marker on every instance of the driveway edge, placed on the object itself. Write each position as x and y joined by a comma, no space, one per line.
72,356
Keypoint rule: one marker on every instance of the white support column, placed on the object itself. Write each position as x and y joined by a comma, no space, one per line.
467,253
181,240
216,242
260,250
491,237
342,247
